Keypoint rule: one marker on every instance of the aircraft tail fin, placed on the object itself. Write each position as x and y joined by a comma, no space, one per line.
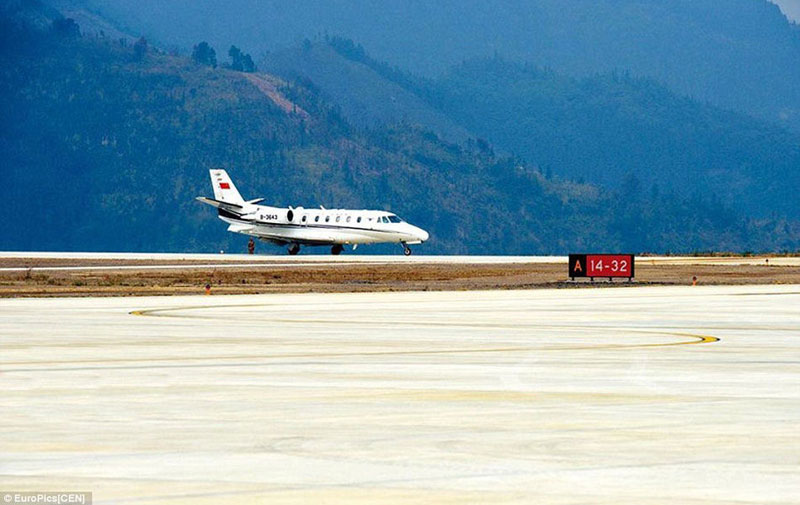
224,189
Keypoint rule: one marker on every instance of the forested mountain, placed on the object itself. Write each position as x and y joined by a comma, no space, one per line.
603,127
105,144
599,129
739,54
368,92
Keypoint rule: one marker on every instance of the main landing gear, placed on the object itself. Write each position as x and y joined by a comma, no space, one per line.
406,249
294,249
337,249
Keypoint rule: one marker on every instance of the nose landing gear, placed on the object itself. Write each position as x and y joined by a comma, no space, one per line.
406,249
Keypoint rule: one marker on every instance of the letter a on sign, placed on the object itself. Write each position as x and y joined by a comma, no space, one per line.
576,268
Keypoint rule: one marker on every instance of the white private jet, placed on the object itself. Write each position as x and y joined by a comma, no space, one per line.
296,226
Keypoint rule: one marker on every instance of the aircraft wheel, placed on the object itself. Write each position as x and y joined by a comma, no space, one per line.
294,249
335,250
407,251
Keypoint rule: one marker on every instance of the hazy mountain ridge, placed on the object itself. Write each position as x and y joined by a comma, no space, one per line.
603,127
113,149
598,128
366,97
739,54
90,19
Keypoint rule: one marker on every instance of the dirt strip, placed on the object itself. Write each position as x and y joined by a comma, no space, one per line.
355,278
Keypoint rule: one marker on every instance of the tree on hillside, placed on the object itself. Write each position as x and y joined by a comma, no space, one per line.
204,54
236,58
240,61
140,49
248,64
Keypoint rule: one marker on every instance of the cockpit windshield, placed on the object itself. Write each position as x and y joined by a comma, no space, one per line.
395,219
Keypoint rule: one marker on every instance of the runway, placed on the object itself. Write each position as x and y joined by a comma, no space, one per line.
118,262
22,261
652,395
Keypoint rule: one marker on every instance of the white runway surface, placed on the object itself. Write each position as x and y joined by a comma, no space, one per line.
184,261
175,261
674,395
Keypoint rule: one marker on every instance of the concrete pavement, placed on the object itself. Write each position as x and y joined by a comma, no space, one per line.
628,396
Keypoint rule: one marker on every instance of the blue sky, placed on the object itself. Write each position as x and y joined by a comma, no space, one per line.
791,8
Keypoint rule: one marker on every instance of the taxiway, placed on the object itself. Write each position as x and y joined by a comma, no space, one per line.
653,395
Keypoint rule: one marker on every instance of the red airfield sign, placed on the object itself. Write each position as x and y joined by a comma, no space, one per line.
601,265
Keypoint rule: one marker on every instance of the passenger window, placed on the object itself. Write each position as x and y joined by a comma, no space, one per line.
338,218
348,219
316,219
327,219
358,220
305,218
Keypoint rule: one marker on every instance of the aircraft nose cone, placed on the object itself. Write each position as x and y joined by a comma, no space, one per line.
423,235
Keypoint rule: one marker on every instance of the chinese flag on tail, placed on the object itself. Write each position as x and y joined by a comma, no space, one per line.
224,185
